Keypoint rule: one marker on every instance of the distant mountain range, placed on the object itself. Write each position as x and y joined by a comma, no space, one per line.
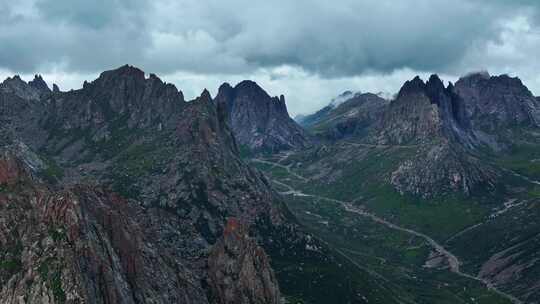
124,192
474,144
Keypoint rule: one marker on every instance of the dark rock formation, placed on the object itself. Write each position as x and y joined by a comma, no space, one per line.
442,168
239,270
39,84
422,112
494,102
129,194
433,118
259,122
18,87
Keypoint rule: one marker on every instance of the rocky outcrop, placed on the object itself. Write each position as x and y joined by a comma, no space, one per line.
423,112
433,118
239,270
18,87
129,195
495,102
442,168
259,122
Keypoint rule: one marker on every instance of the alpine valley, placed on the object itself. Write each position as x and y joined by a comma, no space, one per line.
124,192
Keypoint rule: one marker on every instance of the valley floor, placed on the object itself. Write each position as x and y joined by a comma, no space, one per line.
420,268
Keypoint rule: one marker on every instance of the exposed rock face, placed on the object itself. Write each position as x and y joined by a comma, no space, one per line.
259,122
239,269
433,118
83,245
32,90
442,168
132,195
447,126
422,112
495,102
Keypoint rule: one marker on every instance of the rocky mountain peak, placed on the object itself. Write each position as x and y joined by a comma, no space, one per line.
435,83
251,88
259,121
414,86
239,270
39,84
16,86
205,96
494,102
424,111
128,75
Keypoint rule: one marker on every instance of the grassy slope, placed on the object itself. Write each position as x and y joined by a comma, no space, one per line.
393,255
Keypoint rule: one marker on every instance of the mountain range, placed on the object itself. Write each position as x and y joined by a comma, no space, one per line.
124,192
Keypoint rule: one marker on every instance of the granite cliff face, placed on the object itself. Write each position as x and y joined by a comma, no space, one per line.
118,193
259,122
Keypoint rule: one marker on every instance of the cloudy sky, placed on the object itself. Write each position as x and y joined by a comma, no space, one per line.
309,50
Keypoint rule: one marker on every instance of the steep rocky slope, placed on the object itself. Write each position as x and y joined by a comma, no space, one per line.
456,163
499,108
132,191
422,112
259,122
123,192
87,244
446,128
492,102
432,117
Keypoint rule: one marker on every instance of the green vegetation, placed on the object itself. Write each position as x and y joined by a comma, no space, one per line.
52,173
363,182
10,260
524,159
138,160
11,265
57,234
245,151
56,286
51,272
43,268
397,258
440,218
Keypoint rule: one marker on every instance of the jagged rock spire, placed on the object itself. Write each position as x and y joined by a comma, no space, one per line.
259,121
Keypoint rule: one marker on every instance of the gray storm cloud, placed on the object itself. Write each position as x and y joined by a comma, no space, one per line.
330,38
310,50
